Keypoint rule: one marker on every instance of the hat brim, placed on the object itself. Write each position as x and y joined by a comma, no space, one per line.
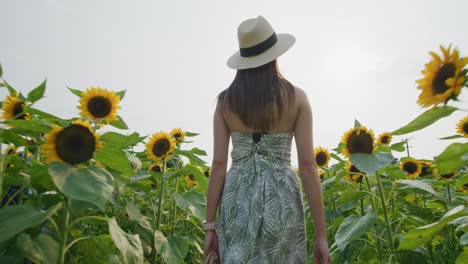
285,41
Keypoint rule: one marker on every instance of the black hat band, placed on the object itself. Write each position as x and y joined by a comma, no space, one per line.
259,48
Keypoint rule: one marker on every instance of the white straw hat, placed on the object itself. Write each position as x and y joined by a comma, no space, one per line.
258,44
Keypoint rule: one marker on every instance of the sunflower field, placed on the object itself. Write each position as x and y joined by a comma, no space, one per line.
72,193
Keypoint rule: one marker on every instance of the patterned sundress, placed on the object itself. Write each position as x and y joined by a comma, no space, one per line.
261,212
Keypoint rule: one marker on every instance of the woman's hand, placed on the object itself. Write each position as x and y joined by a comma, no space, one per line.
211,245
321,254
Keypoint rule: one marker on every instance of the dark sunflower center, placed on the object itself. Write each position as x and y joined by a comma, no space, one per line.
18,111
207,173
177,135
191,177
321,158
361,143
353,169
156,169
447,176
75,144
410,167
425,170
11,151
445,72
161,147
384,140
465,128
465,186
99,106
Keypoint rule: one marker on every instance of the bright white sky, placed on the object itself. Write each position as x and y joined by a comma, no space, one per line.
355,59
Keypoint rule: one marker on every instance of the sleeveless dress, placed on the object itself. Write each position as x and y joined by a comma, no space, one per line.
261,212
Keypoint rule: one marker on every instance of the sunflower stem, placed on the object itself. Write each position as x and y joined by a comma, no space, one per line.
448,193
407,148
63,241
362,199
176,190
158,221
384,209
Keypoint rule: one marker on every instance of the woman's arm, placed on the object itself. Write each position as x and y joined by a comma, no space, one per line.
307,165
219,164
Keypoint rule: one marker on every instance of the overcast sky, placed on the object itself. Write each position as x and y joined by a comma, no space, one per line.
355,59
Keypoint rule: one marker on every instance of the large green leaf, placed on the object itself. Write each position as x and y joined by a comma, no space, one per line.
30,127
16,218
173,250
453,158
194,201
353,227
425,119
370,163
419,185
400,146
120,124
129,245
95,250
194,159
41,249
75,91
40,177
121,141
37,92
134,213
1,70
91,184
419,235
115,158
350,195
7,136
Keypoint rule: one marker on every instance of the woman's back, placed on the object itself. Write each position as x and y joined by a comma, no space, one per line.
286,123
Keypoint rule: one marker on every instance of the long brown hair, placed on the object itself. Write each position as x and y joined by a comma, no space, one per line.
253,94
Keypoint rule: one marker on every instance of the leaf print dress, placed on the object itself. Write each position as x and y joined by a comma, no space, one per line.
261,213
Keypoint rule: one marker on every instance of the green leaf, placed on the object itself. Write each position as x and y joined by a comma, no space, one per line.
37,93
16,218
400,146
30,127
336,157
461,259
134,214
394,172
462,180
451,137
173,250
453,158
75,92
120,124
419,185
422,234
10,88
350,195
91,184
44,115
114,158
425,119
129,245
464,240
1,70
121,94
194,201
353,227
370,163
198,151
194,159
41,249
40,177
96,250
8,136
356,123
121,141
191,134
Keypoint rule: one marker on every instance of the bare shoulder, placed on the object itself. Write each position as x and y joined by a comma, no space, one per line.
301,96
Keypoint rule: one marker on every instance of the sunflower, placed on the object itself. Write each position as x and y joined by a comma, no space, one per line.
155,168
358,140
447,176
354,175
160,145
427,168
321,174
384,139
13,108
207,172
190,180
443,78
462,126
178,134
99,104
322,156
73,144
412,167
11,150
464,187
